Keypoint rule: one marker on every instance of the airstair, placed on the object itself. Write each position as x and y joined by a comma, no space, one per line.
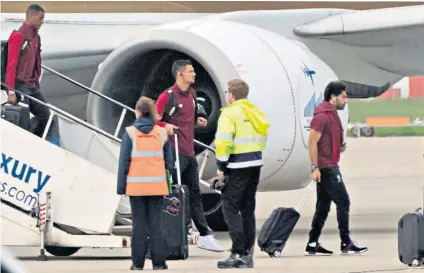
63,197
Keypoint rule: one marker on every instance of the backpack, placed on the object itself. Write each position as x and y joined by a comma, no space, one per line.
5,51
172,108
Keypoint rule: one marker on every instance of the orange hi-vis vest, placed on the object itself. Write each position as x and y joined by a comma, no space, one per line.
147,174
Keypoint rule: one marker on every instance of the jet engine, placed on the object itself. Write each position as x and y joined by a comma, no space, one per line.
286,81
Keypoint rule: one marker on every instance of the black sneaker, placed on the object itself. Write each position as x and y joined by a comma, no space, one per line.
248,259
160,267
250,251
234,261
315,249
133,267
352,248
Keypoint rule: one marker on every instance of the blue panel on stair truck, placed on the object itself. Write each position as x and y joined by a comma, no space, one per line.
53,136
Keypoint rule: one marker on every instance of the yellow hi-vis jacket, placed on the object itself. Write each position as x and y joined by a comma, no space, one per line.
241,136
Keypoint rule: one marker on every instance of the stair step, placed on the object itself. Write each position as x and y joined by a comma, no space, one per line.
123,219
122,230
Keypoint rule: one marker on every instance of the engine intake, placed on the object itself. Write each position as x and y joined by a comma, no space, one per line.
142,66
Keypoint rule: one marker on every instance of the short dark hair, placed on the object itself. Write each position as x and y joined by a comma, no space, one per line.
179,65
334,88
34,8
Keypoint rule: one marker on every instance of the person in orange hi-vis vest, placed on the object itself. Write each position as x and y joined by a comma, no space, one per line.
144,159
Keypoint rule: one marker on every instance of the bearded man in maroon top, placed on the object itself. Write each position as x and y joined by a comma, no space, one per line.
325,145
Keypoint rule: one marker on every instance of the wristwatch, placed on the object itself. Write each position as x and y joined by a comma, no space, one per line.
313,167
11,92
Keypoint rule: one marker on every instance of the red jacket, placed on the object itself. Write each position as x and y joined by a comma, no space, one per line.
24,66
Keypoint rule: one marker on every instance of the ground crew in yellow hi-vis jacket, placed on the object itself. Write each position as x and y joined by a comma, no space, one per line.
240,139
144,159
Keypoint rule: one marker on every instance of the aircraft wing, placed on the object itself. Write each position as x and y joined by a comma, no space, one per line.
389,39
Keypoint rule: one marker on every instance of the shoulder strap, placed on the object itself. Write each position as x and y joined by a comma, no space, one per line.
196,107
23,33
25,43
171,107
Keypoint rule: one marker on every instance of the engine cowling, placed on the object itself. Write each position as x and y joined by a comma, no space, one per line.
278,71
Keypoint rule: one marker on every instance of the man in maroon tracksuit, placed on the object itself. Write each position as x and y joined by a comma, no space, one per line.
325,145
24,65
182,123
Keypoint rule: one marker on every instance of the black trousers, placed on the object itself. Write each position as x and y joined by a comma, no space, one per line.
40,112
147,220
190,177
239,203
331,188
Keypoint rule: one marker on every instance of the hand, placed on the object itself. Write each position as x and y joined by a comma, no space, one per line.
344,147
202,122
11,98
220,174
316,175
170,128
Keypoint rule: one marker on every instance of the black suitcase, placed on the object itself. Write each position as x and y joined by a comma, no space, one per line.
411,238
176,208
278,227
16,114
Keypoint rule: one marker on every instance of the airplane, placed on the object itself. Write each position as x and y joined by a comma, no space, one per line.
286,56
169,7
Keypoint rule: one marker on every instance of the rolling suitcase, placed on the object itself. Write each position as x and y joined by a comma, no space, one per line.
278,228
17,114
176,213
411,238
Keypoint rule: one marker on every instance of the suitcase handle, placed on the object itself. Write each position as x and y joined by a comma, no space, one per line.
19,103
177,159
305,196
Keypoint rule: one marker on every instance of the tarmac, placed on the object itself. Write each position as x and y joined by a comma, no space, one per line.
385,179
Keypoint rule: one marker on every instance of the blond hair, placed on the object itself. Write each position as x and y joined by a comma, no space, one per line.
146,108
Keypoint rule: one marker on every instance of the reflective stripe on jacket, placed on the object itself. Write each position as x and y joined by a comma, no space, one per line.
147,174
241,136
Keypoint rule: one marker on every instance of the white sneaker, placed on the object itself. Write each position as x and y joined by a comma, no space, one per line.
208,242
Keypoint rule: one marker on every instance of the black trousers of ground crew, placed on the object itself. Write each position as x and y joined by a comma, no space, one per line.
147,219
190,177
239,203
40,112
331,188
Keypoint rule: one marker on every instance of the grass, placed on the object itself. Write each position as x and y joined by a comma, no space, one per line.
359,110
399,131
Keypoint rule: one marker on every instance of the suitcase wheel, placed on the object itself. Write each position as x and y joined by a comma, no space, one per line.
275,254
415,262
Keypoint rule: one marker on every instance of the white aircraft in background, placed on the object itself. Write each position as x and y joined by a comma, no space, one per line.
286,56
